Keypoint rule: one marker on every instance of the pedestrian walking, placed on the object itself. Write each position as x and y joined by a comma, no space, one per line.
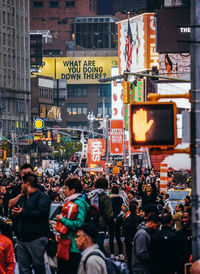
31,226
69,255
130,228
86,241
164,248
141,243
115,229
7,260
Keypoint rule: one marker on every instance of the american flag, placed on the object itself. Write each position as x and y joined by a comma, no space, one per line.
128,48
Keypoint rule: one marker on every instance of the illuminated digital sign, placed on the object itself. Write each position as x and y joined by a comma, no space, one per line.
153,124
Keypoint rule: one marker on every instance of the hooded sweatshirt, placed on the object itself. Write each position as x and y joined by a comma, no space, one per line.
140,252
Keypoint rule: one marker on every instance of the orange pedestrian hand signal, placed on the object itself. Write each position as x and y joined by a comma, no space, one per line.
153,124
140,125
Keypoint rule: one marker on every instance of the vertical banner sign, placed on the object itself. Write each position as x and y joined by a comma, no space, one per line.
96,149
163,177
116,137
143,53
117,102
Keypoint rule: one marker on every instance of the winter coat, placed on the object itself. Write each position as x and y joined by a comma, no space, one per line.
33,222
7,261
185,248
94,264
106,210
147,199
140,251
163,251
74,225
117,202
130,226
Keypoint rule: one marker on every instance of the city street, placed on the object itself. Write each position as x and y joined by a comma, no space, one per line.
99,137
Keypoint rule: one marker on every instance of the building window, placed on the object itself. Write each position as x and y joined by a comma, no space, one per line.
104,34
54,4
104,90
38,4
107,109
70,4
46,93
76,109
79,125
77,91
43,111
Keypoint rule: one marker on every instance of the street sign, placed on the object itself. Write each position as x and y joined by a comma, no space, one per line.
68,140
38,124
103,158
28,137
98,169
110,158
4,138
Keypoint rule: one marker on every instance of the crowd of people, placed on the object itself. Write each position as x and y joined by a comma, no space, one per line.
151,236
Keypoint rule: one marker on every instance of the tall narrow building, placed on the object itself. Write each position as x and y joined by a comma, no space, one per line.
14,67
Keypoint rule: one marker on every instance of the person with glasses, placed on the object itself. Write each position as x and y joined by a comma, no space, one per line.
86,241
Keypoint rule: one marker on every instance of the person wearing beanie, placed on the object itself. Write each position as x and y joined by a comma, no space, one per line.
86,242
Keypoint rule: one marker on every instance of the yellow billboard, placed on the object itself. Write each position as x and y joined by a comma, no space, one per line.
78,70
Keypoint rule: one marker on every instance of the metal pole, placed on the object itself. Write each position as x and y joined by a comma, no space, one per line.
129,138
195,128
107,148
13,151
124,135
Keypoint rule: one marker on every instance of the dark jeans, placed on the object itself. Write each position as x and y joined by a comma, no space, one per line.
30,255
129,247
71,266
100,241
114,231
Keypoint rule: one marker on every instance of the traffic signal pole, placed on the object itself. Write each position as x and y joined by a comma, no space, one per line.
195,125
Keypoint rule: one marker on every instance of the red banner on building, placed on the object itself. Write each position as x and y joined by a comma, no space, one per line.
96,149
116,136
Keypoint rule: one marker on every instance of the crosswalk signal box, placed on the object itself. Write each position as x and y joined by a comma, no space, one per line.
153,124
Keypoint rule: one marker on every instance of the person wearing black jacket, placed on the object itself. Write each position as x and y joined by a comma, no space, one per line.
31,226
115,229
149,195
184,241
164,248
130,228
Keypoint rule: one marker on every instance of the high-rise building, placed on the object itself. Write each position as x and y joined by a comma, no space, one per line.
14,66
137,6
58,17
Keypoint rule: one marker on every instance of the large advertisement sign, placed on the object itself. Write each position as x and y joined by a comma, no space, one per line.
173,31
96,149
144,55
116,136
117,101
175,65
78,70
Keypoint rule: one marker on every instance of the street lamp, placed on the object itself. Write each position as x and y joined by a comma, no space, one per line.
91,119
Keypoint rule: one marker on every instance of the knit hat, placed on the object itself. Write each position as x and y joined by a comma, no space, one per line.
91,230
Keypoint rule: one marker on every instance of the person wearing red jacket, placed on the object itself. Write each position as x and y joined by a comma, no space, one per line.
7,262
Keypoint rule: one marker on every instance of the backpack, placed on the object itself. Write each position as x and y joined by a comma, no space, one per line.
94,213
112,266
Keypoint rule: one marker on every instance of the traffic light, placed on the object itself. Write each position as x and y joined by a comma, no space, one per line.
153,124
58,138
4,154
49,135
126,92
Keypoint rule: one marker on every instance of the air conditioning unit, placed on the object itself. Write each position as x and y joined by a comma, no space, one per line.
71,45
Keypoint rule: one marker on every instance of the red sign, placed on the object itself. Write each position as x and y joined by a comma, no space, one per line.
116,137
96,149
